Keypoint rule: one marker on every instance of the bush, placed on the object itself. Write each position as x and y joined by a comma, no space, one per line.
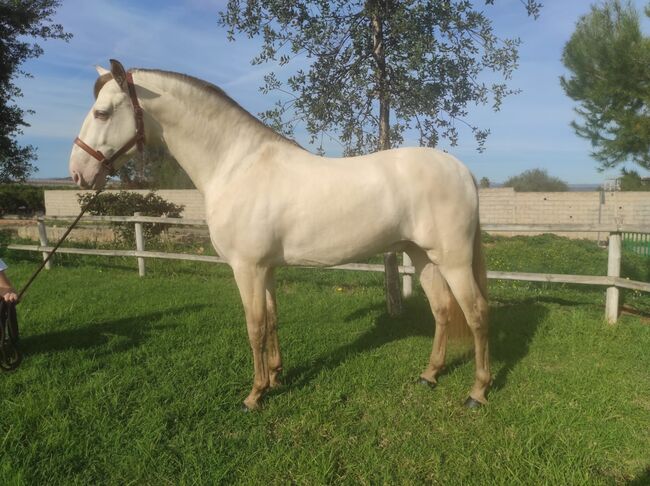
125,203
21,199
536,180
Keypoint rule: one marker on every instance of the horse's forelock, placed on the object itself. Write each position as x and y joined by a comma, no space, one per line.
101,81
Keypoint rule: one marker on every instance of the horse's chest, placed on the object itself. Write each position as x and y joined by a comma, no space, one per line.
240,230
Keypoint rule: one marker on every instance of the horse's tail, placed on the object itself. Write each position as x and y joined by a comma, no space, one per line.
457,327
478,263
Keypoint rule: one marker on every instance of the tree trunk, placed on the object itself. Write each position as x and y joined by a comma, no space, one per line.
391,270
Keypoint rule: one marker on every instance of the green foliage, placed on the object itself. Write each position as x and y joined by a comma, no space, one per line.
156,169
21,198
419,60
19,22
484,183
536,180
609,62
632,181
125,203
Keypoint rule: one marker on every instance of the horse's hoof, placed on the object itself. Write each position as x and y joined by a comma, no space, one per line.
246,409
424,381
472,404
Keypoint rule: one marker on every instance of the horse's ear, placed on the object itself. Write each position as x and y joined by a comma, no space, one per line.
101,71
101,81
119,74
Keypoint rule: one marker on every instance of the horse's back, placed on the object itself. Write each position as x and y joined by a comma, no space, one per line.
376,201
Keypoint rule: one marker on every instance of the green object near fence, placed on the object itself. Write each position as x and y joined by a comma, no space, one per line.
639,243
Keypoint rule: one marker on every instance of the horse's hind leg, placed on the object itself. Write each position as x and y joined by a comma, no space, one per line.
273,355
442,304
463,285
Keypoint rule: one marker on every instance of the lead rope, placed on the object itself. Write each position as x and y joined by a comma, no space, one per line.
10,355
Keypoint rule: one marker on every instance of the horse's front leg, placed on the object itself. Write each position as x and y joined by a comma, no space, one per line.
272,342
252,282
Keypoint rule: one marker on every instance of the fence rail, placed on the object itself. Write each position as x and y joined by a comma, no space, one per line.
612,280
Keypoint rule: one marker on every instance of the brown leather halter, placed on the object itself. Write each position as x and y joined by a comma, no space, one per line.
137,139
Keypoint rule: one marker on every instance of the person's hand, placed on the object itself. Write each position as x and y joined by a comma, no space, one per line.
10,296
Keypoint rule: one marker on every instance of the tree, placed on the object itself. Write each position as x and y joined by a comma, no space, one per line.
20,21
536,180
631,181
484,183
418,61
378,68
609,63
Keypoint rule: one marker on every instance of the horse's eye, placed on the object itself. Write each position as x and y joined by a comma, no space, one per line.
101,115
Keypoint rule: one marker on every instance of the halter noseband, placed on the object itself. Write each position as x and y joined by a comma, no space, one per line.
137,139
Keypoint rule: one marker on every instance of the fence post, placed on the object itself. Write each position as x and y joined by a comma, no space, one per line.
613,270
42,237
139,244
407,279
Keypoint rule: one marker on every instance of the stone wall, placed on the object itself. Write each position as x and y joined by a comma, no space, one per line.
500,205
504,205
64,202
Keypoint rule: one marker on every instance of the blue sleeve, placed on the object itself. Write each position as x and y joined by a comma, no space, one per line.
3,266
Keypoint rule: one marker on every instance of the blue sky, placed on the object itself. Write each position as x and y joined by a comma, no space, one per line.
531,130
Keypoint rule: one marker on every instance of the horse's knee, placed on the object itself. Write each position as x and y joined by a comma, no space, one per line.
441,303
441,314
477,319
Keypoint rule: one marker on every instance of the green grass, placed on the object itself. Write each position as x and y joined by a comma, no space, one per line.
139,381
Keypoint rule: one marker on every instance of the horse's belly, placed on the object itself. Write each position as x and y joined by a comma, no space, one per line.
339,243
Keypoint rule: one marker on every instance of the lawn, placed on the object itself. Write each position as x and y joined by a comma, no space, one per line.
130,380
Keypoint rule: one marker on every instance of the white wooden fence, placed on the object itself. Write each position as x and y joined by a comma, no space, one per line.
612,280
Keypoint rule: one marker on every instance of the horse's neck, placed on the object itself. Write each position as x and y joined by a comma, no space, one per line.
208,137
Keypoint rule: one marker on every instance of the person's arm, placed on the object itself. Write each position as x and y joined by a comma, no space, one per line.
7,291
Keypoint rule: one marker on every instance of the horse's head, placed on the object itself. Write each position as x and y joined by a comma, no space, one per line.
110,132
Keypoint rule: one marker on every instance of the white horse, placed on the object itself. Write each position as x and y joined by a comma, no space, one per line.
269,203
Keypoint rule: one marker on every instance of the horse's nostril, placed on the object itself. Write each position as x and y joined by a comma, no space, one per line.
76,177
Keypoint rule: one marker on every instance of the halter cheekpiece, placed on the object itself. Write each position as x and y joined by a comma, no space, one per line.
137,139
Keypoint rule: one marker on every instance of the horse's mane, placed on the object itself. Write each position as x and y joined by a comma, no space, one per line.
215,91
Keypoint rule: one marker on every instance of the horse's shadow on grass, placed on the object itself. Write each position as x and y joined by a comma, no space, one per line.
512,330
642,479
132,331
